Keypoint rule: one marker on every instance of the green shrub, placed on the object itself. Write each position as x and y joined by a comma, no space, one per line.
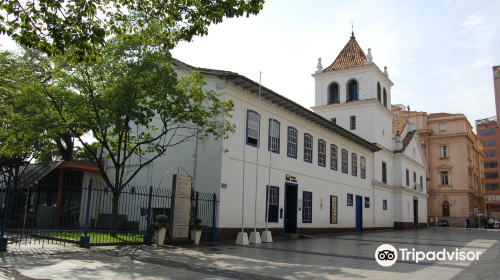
161,222
195,224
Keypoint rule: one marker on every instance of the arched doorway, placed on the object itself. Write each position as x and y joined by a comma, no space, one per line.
446,208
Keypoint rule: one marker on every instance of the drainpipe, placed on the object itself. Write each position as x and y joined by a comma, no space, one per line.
373,190
195,159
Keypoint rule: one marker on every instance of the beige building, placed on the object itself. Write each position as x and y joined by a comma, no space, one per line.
455,178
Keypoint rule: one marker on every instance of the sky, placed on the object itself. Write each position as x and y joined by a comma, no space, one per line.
439,54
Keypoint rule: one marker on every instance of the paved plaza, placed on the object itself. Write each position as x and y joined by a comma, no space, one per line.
335,256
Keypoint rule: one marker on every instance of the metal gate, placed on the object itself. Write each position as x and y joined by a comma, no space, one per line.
79,211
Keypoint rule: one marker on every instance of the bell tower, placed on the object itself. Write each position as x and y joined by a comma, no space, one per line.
356,94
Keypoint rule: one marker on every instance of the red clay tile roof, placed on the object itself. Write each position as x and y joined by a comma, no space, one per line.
398,125
407,139
351,56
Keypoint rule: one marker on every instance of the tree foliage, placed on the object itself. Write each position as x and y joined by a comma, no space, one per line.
53,27
25,115
133,104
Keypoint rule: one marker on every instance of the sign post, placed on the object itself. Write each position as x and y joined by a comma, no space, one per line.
181,207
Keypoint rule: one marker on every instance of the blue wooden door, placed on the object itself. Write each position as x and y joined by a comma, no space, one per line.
290,208
359,213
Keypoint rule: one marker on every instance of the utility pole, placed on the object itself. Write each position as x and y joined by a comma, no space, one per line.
435,217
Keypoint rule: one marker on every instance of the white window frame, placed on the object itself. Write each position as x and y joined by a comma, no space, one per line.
307,217
444,178
308,148
442,127
274,131
363,167
253,126
492,197
334,152
322,153
345,158
443,151
292,142
354,164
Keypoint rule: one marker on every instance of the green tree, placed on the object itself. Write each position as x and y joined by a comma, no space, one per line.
25,116
53,27
135,107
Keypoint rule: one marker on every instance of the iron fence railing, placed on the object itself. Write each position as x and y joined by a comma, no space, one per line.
88,212
206,208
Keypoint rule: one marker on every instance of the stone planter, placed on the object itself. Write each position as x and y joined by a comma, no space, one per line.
160,236
195,236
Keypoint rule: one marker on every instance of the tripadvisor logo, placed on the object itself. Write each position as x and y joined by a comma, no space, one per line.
387,255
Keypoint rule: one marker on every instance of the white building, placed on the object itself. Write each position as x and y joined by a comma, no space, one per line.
340,168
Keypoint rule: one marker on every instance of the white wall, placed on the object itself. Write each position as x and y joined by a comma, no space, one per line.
161,171
387,157
383,218
321,181
367,77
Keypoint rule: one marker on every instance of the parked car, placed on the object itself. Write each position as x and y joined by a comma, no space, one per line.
443,223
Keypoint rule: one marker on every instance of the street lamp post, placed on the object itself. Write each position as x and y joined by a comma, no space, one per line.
455,206
435,217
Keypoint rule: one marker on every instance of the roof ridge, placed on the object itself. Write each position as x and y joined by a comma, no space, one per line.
352,55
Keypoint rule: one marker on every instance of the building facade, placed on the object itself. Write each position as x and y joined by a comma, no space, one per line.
496,86
355,93
456,165
487,130
304,171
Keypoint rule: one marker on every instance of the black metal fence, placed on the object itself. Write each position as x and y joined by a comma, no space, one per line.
74,211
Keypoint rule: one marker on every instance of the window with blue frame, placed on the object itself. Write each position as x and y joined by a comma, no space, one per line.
333,157
273,196
274,136
253,128
334,93
344,161
308,147
362,160
384,204
367,202
292,142
354,164
307,207
321,153
333,209
350,199
353,90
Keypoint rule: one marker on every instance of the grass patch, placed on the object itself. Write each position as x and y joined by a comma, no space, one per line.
98,237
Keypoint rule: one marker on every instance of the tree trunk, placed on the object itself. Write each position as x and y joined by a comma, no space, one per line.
66,152
114,216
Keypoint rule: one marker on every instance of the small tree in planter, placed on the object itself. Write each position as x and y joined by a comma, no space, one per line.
196,228
160,226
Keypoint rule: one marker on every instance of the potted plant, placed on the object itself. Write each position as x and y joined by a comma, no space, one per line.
160,226
195,227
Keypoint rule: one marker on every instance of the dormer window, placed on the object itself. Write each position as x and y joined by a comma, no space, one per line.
352,90
379,93
334,94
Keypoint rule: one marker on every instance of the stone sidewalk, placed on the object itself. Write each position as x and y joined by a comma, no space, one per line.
321,257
